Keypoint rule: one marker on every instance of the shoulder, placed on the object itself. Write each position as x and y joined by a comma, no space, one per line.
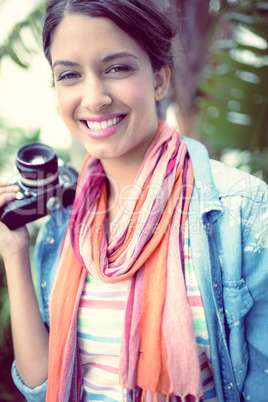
243,195
226,180
222,189
233,182
244,199
238,198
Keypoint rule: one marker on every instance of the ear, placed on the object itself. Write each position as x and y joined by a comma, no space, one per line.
161,82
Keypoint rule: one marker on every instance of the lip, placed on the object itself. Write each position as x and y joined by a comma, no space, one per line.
102,118
103,133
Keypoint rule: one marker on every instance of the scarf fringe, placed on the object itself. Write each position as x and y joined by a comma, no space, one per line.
139,395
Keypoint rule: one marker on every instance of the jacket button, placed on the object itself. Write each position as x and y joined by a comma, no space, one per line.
50,240
230,385
43,284
215,286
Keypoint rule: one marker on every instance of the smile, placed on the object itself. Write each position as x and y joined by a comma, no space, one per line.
101,128
97,126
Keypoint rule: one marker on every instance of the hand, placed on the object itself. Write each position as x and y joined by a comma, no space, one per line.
11,241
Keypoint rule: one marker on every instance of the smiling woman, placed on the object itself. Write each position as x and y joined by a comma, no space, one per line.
155,254
100,79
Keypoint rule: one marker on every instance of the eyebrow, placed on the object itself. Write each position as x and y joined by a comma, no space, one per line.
118,55
65,63
106,59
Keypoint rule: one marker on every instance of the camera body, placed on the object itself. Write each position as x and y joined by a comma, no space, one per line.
46,185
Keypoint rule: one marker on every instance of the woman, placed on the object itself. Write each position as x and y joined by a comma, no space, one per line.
161,284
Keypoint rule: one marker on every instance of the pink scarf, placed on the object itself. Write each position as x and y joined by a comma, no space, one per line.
158,348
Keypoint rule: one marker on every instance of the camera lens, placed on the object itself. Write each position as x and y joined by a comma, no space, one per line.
37,164
37,160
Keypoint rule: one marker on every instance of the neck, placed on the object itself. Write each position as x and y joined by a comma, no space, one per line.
121,174
121,178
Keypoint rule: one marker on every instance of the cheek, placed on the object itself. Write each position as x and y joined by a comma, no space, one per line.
66,104
139,96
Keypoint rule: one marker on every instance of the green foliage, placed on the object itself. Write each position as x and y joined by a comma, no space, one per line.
232,96
219,79
16,46
11,139
233,100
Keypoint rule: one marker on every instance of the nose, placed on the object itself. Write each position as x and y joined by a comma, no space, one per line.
95,94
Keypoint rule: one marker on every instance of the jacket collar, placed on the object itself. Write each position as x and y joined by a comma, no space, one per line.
211,208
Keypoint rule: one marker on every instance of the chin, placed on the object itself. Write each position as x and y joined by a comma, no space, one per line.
99,154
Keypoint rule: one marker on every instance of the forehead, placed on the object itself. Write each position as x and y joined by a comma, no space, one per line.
92,35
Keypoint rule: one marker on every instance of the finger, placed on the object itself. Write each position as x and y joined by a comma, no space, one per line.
4,182
6,197
9,189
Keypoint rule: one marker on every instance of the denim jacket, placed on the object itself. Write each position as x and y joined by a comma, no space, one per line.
228,223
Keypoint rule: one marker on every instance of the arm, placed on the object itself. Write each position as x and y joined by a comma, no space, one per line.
255,267
30,337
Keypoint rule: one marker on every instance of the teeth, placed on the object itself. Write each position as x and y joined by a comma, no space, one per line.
104,124
96,126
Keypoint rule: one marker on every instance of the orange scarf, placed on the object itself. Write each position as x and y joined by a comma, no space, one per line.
158,348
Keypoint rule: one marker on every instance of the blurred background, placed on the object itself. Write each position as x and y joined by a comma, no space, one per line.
219,95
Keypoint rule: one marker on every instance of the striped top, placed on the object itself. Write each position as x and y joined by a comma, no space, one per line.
100,320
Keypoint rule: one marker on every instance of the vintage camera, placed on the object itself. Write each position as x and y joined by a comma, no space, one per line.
46,183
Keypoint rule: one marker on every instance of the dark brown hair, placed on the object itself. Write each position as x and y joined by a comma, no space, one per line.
144,20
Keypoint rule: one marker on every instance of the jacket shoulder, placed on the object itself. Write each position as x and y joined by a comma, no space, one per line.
230,181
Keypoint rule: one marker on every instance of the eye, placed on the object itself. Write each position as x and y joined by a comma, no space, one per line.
68,76
119,69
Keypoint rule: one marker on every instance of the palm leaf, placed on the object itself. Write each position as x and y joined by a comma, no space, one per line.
15,46
234,73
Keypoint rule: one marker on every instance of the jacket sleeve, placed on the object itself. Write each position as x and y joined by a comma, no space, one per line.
37,394
47,250
255,268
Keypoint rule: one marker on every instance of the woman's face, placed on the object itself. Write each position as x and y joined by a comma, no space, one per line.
106,87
